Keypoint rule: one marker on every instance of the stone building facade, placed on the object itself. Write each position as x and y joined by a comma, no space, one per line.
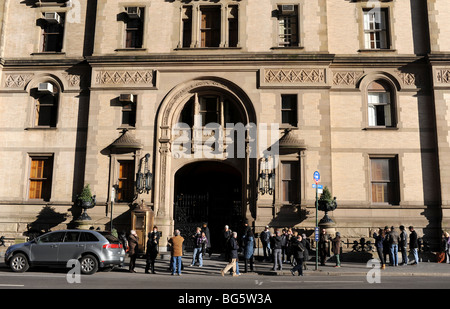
357,90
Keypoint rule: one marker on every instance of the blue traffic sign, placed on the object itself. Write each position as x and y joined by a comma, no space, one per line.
317,186
316,176
316,233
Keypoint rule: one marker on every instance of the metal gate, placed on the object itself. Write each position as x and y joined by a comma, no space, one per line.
190,211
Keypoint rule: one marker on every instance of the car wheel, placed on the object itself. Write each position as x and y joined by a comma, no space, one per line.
89,265
19,263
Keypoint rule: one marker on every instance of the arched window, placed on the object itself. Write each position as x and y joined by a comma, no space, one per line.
46,97
380,104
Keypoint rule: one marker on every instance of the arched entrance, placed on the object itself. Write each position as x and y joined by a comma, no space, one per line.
195,103
207,192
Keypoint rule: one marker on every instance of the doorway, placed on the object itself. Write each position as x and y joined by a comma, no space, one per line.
207,192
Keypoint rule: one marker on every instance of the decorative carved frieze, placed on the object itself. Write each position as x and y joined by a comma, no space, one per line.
17,80
292,76
125,77
346,78
408,79
443,76
72,79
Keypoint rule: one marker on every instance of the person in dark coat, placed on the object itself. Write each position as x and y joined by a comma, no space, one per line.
248,241
152,250
413,245
226,235
324,247
298,252
276,243
232,249
208,236
307,244
337,248
265,240
133,243
379,244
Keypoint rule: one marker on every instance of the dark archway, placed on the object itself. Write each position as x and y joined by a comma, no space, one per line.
211,192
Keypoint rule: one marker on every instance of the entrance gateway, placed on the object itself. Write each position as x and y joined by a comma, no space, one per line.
207,192
191,190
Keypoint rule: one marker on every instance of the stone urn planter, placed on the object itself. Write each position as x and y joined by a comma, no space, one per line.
86,201
326,203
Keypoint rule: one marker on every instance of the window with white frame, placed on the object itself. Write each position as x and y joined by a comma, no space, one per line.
376,28
380,105
288,25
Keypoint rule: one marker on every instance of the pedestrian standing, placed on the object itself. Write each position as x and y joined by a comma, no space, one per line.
202,242
152,250
336,248
394,239
248,242
413,245
448,247
233,247
386,245
208,236
323,247
307,245
277,244
225,238
176,243
403,245
298,253
265,240
196,245
133,242
379,244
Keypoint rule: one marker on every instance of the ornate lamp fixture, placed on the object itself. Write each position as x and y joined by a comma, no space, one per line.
144,179
266,177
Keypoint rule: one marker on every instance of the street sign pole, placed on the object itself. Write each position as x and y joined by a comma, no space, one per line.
316,231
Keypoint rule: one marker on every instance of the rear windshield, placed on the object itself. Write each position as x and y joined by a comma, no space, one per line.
112,239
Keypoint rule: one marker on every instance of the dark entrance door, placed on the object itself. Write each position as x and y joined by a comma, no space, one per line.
207,192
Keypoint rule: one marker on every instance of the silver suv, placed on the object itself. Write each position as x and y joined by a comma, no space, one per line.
93,249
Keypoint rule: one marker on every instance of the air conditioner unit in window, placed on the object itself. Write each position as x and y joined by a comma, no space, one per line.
52,17
126,97
45,87
133,12
287,9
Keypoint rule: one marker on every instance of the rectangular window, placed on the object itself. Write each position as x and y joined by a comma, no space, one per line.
289,109
290,182
134,28
209,109
379,109
233,29
376,29
210,26
41,178
129,114
384,180
288,25
125,192
46,110
187,27
52,32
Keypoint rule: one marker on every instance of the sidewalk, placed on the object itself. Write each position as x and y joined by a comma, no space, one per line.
215,263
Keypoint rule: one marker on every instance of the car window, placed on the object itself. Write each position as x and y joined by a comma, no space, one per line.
71,237
86,236
112,239
52,237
